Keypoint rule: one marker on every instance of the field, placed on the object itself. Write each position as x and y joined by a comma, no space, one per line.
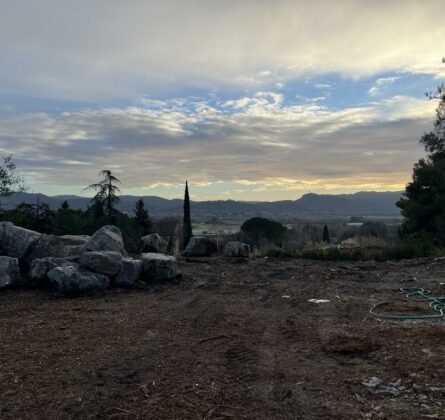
229,339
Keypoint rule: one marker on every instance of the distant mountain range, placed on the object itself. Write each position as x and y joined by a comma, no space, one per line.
309,205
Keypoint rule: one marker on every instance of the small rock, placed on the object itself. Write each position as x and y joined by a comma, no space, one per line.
15,241
372,382
236,249
102,262
158,267
107,238
201,246
40,267
154,243
130,272
71,281
9,272
56,247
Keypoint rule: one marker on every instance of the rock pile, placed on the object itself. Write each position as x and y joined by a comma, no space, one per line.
75,264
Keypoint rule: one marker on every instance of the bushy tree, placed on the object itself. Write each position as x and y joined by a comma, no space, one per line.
9,181
37,217
258,229
423,202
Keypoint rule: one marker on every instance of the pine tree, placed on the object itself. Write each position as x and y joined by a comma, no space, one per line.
141,217
326,237
187,222
423,202
107,191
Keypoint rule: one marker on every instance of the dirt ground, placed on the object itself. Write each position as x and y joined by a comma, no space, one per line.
231,339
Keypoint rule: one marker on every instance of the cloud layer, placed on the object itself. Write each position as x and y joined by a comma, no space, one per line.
247,99
86,50
257,142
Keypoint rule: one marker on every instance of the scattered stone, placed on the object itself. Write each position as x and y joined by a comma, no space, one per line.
200,246
56,247
376,386
236,249
158,267
102,262
9,272
372,382
154,243
71,280
107,238
15,241
130,272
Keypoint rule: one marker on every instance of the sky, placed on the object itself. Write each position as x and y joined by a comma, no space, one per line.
248,100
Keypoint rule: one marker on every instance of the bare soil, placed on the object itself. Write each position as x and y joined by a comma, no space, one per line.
231,339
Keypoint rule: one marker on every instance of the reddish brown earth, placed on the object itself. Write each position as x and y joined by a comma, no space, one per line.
223,342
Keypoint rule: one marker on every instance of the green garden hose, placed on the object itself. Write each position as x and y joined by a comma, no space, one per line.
436,303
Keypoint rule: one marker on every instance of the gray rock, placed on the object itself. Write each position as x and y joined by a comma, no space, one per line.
154,243
200,246
3,226
130,273
15,241
107,238
56,247
158,267
9,272
70,280
236,249
102,262
41,266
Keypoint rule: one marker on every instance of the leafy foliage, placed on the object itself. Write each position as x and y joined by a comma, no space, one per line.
423,203
259,229
9,181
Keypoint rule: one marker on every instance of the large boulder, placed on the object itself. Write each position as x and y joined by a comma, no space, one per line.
9,272
154,243
15,241
56,247
130,272
71,280
201,246
158,267
107,238
236,249
41,266
102,262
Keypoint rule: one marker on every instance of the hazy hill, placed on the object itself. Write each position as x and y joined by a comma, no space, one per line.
358,204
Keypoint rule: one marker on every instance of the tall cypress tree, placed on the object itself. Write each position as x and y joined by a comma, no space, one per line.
326,237
187,222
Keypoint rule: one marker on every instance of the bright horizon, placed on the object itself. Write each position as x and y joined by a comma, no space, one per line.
254,101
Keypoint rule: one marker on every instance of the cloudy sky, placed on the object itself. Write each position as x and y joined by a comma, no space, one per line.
251,100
